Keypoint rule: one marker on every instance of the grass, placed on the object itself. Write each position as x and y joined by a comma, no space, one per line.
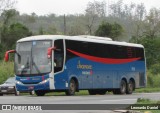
148,90
81,92
6,70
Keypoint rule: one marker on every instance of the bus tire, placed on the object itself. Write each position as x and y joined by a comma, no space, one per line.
130,87
31,93
72,88
123,87
40,93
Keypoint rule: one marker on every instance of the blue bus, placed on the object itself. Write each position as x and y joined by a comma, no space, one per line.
48,63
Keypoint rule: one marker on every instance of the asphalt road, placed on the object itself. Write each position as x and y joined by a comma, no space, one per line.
86,99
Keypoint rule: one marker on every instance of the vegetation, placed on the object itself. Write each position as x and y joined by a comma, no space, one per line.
147,102
148,90
152,48
6,70
109,30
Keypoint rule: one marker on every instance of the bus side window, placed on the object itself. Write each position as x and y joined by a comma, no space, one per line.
58,55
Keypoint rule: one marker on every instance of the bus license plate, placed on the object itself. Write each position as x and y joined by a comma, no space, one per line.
31,87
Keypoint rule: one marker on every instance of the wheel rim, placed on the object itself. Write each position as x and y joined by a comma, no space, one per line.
72,87
123,87
130,87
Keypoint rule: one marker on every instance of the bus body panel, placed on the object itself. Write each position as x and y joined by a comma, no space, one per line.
61,81
101,75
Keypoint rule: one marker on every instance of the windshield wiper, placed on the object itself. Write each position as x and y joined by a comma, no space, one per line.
36,67
26,66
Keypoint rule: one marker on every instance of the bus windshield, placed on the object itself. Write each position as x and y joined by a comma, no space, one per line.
31,58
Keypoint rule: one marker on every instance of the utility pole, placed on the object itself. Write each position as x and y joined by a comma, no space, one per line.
64,24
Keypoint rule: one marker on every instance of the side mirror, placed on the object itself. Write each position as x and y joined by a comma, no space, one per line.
6,57
49,52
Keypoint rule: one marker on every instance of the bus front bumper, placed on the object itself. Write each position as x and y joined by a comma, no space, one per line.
32,87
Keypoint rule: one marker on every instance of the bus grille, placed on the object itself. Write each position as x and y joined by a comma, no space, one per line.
31,83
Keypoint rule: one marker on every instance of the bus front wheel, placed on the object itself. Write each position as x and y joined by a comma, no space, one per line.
72,88
40,93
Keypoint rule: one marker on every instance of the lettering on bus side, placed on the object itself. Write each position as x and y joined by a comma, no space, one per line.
83,66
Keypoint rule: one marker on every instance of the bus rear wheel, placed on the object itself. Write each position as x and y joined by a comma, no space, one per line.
72,88
122,89
130,87
40,93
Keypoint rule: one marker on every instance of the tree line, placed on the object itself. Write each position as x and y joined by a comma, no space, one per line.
120,21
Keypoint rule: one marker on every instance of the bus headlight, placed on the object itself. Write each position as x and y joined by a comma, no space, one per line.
18,82
44,81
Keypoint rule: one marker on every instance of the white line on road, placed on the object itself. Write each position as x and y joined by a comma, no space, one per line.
119,100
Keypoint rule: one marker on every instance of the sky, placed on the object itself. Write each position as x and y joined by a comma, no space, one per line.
60,7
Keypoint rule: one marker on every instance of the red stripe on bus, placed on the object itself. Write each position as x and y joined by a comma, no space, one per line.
104,60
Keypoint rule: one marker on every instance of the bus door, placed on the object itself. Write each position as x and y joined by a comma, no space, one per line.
58,63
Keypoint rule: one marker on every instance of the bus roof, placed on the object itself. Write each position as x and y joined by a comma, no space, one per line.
86,38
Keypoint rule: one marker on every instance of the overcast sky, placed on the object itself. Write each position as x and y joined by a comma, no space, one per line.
60,7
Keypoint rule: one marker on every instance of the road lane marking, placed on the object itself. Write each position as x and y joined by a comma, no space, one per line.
119,100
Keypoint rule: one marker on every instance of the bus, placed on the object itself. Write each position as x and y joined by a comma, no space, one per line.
48,63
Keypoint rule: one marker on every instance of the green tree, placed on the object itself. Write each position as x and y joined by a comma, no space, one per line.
15,32
109,30
152,23
76,29
6,16
152,48
104,30
41,31
116,31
